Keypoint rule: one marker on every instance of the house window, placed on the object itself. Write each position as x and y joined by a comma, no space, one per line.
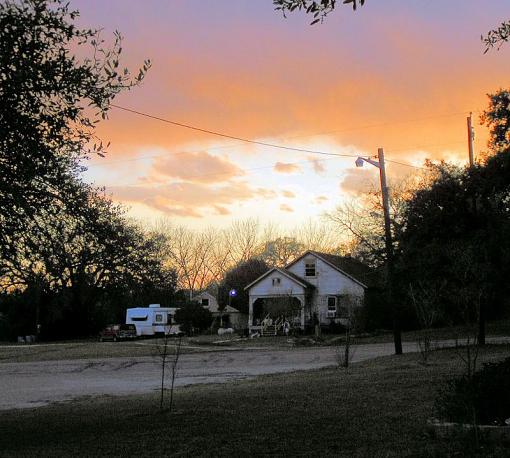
205,302
331,307
276,281
310,269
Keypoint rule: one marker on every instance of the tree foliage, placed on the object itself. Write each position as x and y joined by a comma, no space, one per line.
497,37
317,8
50,101
78,271
193,317
497,119
69,258
456,238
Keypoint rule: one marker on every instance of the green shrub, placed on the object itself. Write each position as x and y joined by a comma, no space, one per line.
193,317
484,397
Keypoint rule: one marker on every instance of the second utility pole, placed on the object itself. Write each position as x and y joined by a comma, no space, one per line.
471,136
397,333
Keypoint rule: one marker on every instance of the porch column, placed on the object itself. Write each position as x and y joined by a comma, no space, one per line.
302,313
251,301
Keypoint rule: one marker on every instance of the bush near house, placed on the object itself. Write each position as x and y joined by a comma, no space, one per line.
193,317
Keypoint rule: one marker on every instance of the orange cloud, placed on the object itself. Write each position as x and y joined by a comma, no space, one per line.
359,180
289,194
286,208
320,199
318,166
282,167
196,167
221,210
188,199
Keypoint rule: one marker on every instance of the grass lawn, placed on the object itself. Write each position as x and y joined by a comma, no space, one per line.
12,353
378,408
494,329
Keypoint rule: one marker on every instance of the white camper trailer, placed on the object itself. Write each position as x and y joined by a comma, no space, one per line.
153,320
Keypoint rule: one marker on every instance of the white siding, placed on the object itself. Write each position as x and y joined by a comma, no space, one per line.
213,303
328,282
265,287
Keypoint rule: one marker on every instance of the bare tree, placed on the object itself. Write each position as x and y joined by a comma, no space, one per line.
192,255
425,299
349,311
171,358
320,236
362,219
244,238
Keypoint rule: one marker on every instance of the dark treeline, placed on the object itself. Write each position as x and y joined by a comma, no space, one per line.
454,243
70,260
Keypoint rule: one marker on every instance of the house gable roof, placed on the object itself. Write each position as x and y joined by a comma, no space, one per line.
350,267
295,278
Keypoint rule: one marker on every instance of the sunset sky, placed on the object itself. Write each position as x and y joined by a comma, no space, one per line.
398,74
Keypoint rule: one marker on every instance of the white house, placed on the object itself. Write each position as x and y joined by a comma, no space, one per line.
315,287
229,316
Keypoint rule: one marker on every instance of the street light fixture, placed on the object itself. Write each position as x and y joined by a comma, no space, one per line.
388,239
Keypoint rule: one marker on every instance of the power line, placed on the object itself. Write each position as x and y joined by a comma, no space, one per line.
232,137
270,145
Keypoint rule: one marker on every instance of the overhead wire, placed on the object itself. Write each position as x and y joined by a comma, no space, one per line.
271,145
231,137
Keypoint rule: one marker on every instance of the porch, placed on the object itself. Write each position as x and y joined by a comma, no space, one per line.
277,314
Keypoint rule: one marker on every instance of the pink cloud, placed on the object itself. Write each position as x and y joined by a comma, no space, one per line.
282,167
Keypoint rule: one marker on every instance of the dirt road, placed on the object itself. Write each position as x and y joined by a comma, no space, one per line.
35,384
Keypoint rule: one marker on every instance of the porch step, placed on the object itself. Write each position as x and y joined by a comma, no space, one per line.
270,331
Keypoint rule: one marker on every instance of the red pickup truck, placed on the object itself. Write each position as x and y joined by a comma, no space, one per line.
116,332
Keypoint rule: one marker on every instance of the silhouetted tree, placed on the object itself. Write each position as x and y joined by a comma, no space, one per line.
50,102
193,317
238,278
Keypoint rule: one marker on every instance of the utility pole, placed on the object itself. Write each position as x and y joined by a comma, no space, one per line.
481,309
397,332
471,137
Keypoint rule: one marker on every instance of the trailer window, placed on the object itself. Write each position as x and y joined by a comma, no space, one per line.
139,318
159,317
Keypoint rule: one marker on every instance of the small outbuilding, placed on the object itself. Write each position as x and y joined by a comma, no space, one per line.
227,317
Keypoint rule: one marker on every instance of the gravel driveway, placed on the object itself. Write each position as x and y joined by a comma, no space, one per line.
36,384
